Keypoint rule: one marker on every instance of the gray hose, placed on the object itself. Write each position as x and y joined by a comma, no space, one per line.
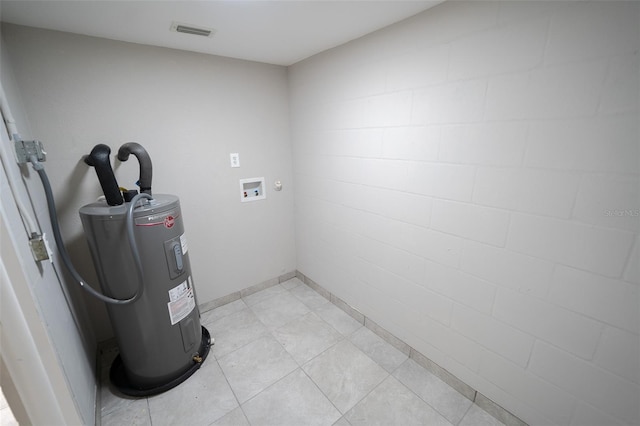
132,238
53,216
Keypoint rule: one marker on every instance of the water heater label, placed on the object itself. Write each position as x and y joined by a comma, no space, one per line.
183,243
166,219
181,302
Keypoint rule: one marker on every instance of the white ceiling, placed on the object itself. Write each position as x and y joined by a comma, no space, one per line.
275,32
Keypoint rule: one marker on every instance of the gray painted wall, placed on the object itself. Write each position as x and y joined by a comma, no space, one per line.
190,111
69,338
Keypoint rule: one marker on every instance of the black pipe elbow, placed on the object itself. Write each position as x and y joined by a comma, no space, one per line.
146,168
99,160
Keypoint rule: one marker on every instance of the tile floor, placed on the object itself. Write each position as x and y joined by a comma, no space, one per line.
287,356
6,415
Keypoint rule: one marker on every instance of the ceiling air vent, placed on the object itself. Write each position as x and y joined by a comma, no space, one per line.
191,29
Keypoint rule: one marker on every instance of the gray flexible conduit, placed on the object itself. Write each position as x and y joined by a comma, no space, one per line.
53,216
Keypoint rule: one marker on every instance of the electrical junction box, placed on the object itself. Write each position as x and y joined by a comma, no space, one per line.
26,149
252,189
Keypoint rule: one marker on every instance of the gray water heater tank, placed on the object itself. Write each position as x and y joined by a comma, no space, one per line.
160,339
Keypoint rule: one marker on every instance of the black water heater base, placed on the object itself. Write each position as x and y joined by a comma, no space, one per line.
119,379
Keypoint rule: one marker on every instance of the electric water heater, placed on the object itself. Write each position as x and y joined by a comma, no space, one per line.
160,339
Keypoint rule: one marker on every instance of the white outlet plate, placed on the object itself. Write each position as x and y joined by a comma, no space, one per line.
235,159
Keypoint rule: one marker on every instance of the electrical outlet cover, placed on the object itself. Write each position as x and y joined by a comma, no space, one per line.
235,159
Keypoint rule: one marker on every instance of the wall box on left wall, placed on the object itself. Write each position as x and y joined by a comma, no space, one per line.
252,189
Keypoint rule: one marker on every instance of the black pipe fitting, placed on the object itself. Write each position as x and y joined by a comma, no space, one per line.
99,159
146,168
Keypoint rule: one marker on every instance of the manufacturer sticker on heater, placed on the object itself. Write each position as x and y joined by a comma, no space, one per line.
181,302
183,243
167,219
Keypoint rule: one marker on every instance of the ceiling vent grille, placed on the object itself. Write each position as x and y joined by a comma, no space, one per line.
190,29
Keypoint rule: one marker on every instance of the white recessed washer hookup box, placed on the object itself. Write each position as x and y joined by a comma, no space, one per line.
252,189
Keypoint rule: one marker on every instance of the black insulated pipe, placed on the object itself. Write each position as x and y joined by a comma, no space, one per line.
99,159
146,169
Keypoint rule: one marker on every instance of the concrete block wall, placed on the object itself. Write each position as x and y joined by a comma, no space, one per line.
469,179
